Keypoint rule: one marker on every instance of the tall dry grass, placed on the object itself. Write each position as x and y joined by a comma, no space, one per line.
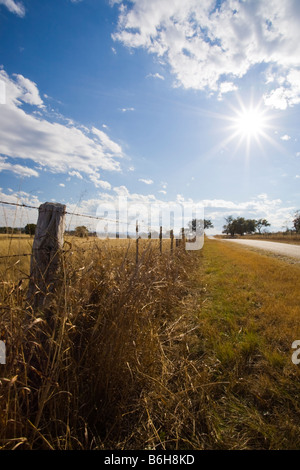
190,351
93,370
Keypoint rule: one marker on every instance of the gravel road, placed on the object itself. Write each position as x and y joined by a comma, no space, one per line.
284,249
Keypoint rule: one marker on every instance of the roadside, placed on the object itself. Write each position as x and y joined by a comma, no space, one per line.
284,250
289,239
248,320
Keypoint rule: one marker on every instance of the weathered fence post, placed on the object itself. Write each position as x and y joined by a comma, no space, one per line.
160,239
181,241
46,253
172,239
183,237
137,242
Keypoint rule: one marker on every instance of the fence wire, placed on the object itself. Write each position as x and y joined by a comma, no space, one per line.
137,225
74,214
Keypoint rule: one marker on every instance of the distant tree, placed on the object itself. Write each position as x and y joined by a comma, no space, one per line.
198,225
208,224
195,225
250,225
260,223
229,228
30,229
81,231
7,230
239,226
296,222
235,226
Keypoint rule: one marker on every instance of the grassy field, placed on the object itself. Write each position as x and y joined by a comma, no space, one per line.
183,351
248,321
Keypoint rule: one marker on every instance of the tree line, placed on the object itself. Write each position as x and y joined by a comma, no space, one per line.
233,226
29,229
242,226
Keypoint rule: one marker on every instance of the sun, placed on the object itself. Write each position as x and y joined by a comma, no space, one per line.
246,129
250,123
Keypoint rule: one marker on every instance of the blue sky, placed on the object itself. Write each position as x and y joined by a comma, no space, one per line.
155,100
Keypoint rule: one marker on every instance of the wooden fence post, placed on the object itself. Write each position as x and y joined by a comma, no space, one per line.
183,237
137,242
160,239
181,241
46,253
172,239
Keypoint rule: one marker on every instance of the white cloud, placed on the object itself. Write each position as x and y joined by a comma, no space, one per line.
260,206
62,185
125,110
285,137
2,92
277,99
206,45
76,173
146,181
29,91
121,190
17,169
14,7
226,87
287,92
95,178
58,147
17,216
107,143
155,75
274,210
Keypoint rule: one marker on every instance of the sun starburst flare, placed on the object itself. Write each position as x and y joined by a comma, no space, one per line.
250,123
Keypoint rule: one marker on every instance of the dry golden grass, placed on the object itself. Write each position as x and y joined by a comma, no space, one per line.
248,321
82,379
14,268
190,351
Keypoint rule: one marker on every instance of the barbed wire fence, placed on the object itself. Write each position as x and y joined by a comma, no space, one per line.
48,246
137,226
